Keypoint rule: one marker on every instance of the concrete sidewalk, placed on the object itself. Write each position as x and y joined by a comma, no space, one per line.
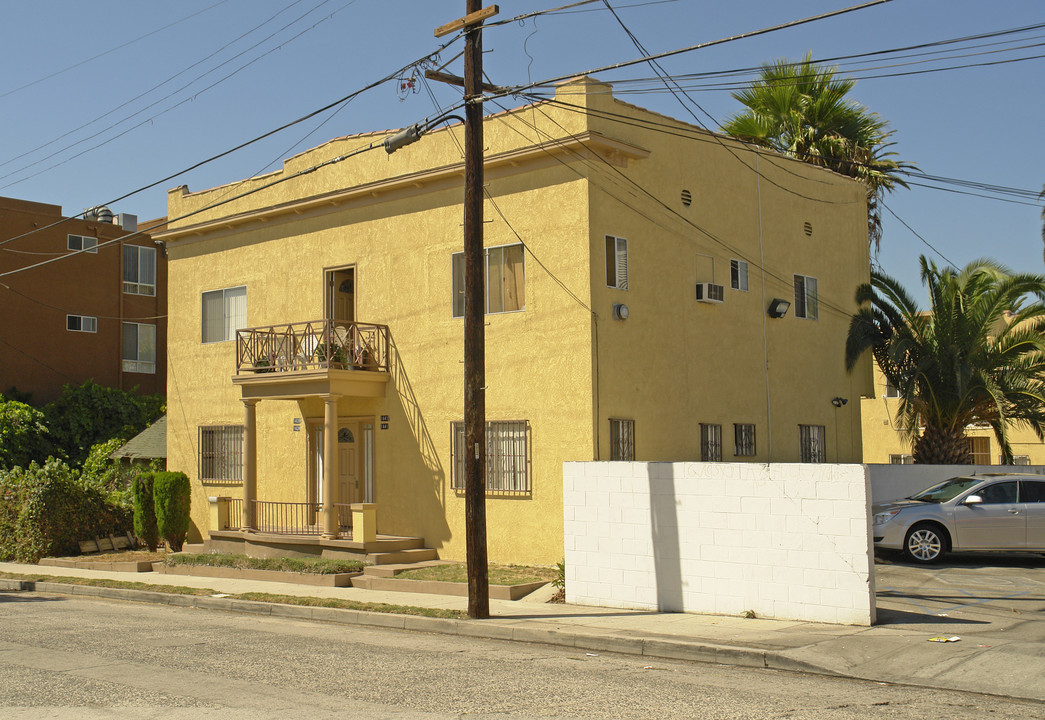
1000,650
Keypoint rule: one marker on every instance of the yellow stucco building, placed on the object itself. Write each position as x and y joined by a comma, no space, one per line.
654,292
883,442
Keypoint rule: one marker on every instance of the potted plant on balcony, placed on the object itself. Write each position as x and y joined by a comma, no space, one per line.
263,364
337,357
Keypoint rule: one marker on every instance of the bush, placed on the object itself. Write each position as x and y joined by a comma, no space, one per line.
45,511
144,511
23,435
171,493
88,414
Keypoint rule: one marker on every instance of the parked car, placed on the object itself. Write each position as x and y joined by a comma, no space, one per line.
978,512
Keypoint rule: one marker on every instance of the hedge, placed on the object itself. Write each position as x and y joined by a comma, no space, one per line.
171,493
46,511
145,511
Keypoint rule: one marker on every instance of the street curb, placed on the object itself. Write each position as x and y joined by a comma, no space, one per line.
511,630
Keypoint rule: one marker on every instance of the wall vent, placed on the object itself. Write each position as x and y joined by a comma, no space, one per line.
687,198
808,227
710,293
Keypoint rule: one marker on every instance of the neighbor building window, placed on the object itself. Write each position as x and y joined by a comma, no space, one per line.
221,453
811,444
616,262
980,449
805,297
622,439
224,312
901,459
710,442
139,348
139,270
738,275
890,390
744,439
81,323
82,242
1018,460
504,278
507,456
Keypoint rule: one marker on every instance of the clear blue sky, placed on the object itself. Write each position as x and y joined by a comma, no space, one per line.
981,123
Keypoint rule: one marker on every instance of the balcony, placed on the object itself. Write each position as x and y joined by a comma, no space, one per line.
312,358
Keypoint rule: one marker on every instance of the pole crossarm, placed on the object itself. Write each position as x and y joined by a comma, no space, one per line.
467,21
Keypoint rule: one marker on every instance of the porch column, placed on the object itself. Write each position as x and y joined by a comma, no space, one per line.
250,463
330,465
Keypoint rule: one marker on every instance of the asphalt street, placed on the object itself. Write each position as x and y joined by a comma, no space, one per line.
65,657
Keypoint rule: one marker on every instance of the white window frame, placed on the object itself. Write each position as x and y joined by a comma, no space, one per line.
738,275
138,270
622,439
890,390
508,457
616,262
744,440
231,320
143,361
220,453
83,243
457,281
81,323
812,443
710,442
806,303
1016,460
901,459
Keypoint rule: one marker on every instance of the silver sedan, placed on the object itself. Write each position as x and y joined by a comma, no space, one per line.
979,512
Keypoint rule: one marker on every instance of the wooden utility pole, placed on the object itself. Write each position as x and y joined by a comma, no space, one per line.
474,311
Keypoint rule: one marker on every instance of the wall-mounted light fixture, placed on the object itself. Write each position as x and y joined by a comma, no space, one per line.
778,308
839,401
620,311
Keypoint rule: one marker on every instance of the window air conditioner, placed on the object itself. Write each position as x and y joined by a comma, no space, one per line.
710,293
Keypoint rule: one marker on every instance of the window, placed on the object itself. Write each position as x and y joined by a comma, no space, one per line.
139,270
744,439
139,348
811,444
221,453
224,312
805,297
890,390
616,262
81,242
1002,493
1032,491
901,459
622,439
507,456
504,276
1016,460
980,449
710,442
738,275
81,323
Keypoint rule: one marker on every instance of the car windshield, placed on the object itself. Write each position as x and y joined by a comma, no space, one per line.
947,490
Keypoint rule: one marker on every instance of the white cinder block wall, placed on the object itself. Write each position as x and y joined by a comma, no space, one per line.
788,541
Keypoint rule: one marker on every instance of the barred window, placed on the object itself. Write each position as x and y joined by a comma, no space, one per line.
744,439
901,459
710,442
221,453
507,456
811,443
622,439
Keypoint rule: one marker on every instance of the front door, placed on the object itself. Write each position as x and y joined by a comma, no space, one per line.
341,296
348,443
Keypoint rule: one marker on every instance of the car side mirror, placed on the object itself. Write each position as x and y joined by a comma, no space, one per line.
972,500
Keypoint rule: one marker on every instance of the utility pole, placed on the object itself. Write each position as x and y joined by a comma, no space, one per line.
474,311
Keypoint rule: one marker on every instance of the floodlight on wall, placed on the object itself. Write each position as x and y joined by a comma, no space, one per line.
620,311
839,401
778,308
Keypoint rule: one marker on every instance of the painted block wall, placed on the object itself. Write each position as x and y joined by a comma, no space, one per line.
890,482
787,541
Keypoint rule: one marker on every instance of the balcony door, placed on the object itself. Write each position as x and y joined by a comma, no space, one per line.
341,296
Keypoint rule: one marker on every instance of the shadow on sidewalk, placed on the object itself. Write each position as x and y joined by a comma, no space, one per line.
903,617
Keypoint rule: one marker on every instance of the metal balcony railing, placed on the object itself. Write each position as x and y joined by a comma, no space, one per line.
315,345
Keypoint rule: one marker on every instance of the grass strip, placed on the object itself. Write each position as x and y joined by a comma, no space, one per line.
257,597
499,574
317,566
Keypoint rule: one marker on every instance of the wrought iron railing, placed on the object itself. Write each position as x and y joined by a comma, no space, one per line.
283,518
315,345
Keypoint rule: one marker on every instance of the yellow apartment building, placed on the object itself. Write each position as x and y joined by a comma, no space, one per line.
654,292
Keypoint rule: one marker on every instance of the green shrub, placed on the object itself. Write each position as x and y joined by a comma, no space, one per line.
171,493
45,511
144,511
23,435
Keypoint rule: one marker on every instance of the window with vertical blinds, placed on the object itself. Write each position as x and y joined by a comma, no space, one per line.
504,275
811,444
507,456
616,262
622,439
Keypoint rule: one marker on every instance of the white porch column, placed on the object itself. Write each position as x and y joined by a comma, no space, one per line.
330,465
250,463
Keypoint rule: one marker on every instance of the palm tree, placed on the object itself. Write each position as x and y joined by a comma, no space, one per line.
802,110
977,355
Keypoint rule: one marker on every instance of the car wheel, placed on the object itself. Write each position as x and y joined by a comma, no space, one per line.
925,544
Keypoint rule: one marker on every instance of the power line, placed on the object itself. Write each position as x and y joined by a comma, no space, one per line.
926,242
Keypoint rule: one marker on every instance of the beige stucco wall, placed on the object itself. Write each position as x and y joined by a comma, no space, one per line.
563,364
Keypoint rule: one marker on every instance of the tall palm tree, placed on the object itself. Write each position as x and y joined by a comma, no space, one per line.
976,356
803,110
